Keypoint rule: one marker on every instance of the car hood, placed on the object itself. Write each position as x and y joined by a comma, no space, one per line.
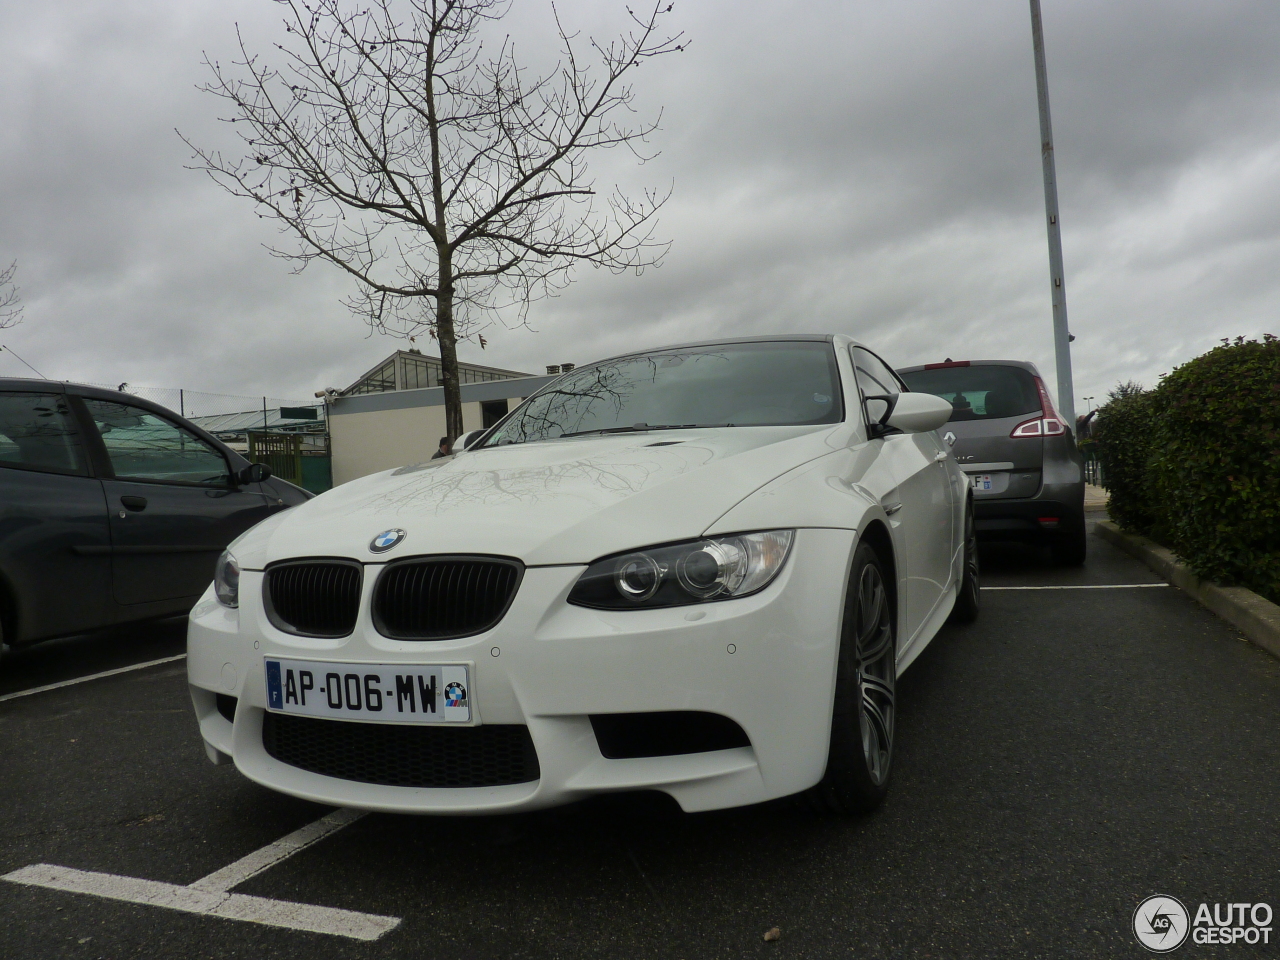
555,502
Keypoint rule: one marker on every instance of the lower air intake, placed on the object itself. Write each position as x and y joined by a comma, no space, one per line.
626,736
401,755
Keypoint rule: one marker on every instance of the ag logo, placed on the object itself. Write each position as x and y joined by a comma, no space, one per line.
386,540
1161,923
455,694
950,438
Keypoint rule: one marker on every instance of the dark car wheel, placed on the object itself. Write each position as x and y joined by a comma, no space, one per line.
968,600
1069,548
862,720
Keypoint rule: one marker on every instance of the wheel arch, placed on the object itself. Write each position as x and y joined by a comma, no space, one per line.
877,535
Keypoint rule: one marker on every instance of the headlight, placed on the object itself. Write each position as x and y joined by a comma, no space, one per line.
226,580
717,568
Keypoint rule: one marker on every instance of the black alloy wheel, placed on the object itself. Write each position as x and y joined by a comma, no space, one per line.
860,756
969,597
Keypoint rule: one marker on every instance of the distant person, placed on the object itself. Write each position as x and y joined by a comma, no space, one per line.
446,448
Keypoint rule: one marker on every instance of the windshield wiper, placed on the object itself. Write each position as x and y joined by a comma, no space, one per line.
644,427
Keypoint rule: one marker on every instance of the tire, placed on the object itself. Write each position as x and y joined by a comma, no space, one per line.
1069,547
860,756
969,597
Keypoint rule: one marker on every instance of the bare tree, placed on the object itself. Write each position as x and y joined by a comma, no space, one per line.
447,180
10,301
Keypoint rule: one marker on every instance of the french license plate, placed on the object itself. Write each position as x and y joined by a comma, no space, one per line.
981,481
385,692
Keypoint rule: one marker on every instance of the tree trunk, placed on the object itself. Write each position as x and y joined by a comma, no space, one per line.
449,361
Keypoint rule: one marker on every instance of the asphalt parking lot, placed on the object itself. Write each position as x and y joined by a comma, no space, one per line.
1068,755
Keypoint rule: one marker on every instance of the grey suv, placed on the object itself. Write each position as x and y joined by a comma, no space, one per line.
1021,458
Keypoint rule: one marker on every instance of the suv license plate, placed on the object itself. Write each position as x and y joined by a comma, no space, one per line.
383,692
981,481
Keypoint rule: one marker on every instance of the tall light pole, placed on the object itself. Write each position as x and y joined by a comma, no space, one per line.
1058,283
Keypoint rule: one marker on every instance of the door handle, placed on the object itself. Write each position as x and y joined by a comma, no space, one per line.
134,503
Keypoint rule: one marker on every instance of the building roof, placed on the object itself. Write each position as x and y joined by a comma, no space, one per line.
253,420
412,369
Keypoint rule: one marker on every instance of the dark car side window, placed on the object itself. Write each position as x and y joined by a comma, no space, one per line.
37,432
144,446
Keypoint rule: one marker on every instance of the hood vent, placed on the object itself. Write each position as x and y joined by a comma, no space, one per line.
440,598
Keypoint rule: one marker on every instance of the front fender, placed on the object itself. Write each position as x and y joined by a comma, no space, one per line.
846,489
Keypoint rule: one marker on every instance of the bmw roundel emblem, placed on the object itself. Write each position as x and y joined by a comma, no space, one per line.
386,540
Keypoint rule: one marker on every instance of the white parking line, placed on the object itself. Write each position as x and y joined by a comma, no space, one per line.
232,875
210,895
92,676
1085,586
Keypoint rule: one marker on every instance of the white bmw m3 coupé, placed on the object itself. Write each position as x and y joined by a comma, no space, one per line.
698,570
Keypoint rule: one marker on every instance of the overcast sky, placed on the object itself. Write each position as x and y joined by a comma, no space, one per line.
855,167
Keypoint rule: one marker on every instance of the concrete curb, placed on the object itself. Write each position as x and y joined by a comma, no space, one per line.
1254,616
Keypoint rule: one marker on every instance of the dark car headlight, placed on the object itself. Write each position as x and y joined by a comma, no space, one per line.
226,580
715,568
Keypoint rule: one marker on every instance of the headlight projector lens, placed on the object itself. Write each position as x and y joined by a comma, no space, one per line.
638,577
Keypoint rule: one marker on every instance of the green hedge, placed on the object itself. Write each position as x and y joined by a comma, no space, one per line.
1195,463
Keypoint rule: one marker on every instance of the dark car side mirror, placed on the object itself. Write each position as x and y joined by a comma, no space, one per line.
253,473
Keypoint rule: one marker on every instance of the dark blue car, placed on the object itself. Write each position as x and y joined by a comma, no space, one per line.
112,509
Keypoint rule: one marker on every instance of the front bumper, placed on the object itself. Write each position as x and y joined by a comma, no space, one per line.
766,661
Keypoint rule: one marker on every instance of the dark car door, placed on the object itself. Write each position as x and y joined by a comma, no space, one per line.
54,541
172,503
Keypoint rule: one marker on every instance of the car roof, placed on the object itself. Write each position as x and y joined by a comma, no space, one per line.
31,385
1024,364
762,338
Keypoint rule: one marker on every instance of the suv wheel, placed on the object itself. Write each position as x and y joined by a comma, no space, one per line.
1069,547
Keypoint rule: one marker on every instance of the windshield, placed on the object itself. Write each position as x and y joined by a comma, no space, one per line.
987,392
731,385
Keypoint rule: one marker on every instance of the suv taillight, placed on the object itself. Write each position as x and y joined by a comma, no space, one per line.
1040,427
1048,424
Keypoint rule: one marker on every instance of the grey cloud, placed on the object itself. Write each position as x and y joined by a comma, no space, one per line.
870,168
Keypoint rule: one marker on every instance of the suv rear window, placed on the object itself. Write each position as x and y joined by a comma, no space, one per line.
988,392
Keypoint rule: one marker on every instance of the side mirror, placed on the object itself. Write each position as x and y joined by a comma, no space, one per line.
918,413
467,439
253,473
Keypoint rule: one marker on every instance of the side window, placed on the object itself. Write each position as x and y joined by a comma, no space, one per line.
144,446
875,378
37,432
874,375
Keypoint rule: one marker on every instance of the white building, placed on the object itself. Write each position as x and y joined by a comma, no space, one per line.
394,414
